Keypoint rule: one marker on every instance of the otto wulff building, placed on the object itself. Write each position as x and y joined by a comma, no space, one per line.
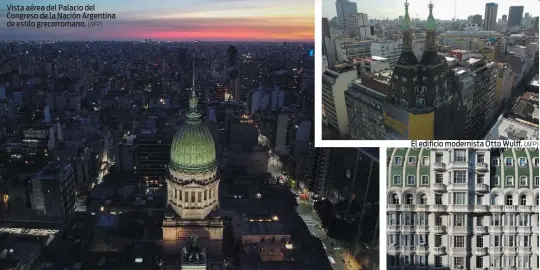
192,192
462,209
423,104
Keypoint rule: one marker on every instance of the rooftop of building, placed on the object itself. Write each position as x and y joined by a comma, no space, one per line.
51,171
526,108
512,129
17,249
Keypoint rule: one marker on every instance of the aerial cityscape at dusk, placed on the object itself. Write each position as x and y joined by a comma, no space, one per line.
437,70
178,136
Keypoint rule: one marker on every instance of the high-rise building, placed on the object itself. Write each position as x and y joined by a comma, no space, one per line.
490,17
53,190
152,155
477,19
343,9
504,18
325,27
469,208
334,109
515,16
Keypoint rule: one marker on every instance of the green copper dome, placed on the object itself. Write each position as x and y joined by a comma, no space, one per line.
193,149
430,23
406,22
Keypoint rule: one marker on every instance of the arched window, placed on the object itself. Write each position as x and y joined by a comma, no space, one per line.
509,200
495,199
395,199
420,102
423,199
409,199
523,200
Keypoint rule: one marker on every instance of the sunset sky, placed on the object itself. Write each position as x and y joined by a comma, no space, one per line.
177,20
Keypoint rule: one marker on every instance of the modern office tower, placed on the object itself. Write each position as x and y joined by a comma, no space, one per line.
515,15
477,19
343,9
490,17
232,65
358,26
318,175
422,103
152,157
504,18
462,208
325,27
334,110
52,190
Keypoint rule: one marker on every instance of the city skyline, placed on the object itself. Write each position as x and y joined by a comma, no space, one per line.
392,9
205,20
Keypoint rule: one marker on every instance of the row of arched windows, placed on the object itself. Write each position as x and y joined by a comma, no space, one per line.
495,200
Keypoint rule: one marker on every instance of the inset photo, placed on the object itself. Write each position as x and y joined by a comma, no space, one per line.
462,208
428,70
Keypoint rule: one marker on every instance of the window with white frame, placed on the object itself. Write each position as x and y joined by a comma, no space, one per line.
479,262
496,242
422,219
525,241
524,261
524,220
510,261
522,161
480,158
409,199
460,177
510,220
397,180
398,160
479,241
410,180
439,178
536,181
510,241
459,241
393,219
535,161
509,181
393,260
395,199
496,161
459,198
459,220
393,240
460,155
509,161
496,220
422,240
424,180
523,199
408,260
438,261
479,178
408,218
412,160
421,260
496,181
523,180
509,200
438,157
459,262
425,161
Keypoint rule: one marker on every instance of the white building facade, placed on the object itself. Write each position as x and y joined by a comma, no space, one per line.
462,209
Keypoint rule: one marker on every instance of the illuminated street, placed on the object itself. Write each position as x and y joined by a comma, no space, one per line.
305,210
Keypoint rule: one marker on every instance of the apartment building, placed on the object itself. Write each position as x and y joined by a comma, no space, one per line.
462,209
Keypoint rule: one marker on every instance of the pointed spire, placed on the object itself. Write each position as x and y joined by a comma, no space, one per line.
406,23
431,25
193,114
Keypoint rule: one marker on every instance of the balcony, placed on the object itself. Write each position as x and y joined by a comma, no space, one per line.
393,250
482,188
458,165
481,208
439,251
438,208
457,230
525,250
422,229
439,229
481,230
480,251
458,251
439,166
422,208
496,208
482,167
525,208
408,207
407,249
394,228
459,208
408,229
524,230
511,208
495,229
393,207
439,188
495,250
422,250
510,229
510,250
